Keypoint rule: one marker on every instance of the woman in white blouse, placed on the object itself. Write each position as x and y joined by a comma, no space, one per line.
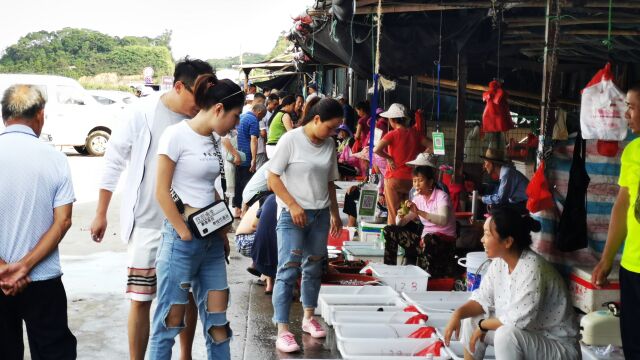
522,307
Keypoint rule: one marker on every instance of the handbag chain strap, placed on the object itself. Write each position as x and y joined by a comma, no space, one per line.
223,179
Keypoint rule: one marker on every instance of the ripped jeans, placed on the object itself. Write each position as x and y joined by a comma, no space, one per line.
181,265
300,251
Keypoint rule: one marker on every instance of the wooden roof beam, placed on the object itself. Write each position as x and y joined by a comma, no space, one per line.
521,23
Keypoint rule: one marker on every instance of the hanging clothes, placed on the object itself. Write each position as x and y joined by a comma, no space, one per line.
572,233
560,131
420,123
496,116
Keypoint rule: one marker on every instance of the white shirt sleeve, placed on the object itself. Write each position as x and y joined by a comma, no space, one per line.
485,294
65,194
118,152
170,144
280,160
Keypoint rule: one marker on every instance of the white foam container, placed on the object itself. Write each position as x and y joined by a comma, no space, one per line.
585,296
406,278
357,299
346,332
368,253
374,349
437,301
328,316
350,290
437,320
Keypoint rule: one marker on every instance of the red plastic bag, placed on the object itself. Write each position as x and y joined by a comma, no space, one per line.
434,349
540,198
424,332
411,308
496,116
417,319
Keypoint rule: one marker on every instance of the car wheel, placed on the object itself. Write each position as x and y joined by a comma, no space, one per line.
81,150
97,142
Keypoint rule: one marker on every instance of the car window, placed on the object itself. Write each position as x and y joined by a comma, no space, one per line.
103,100
70,95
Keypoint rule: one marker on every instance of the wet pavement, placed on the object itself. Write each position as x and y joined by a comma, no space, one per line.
261,333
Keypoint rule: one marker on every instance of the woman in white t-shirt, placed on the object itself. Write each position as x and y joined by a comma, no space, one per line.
301,174
189,161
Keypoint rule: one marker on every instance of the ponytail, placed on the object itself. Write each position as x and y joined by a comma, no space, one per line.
209,91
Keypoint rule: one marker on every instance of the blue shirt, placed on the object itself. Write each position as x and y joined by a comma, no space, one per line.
35,179
512,189
249,126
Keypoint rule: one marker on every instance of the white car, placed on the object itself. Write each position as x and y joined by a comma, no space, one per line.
72,116
113,98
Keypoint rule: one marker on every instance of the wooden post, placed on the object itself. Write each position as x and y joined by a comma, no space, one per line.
246,80
461,102
547,104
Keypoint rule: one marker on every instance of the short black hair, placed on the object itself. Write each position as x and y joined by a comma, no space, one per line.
259,96
364,106
274,97
427,171
187,70
635,87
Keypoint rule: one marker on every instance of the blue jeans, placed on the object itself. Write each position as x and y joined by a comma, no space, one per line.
300,250
180,265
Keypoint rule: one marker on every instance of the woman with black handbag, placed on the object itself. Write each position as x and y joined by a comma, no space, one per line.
194,242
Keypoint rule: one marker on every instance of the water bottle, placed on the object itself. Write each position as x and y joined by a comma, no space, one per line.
474,204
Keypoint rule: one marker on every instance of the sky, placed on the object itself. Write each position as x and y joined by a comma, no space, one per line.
201,29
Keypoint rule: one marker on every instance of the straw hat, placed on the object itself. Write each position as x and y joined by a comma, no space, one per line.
423,159
395,111
495,156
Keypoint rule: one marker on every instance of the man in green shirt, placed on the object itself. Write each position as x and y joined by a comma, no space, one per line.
625,227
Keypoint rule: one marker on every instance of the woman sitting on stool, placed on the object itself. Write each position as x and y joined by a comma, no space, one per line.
431,242
533,316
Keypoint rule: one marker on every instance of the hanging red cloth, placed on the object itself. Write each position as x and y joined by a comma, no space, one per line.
496,116
420,124
540,198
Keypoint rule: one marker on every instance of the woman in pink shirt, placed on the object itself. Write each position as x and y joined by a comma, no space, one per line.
427,231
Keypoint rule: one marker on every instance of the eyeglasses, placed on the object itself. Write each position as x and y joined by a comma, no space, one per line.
234,94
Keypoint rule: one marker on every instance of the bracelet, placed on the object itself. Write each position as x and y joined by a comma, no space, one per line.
480,326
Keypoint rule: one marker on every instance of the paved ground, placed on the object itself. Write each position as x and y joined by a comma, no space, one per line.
94,276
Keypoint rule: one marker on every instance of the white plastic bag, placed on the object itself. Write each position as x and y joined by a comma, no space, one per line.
602,108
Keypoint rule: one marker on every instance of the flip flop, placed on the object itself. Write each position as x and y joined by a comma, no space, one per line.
260,282
268,292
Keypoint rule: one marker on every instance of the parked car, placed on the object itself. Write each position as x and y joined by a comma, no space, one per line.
72,116
112,98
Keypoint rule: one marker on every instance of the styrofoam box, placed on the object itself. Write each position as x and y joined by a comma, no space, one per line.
406,278
346,332
351,290
587,297
437,301
354,299
374,317
374,349
328,316
456,351
365,253
589,354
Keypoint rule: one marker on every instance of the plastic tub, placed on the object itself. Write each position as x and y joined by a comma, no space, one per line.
342,280
407,278
437,301
346,332
437,320
473,262
348,267
356,299
374,349
328,316
367,253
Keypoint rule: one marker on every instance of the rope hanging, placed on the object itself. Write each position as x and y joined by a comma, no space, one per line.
547,131
609,42
438,67
376,77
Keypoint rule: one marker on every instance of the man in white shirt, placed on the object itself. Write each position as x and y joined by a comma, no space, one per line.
35,213
141,218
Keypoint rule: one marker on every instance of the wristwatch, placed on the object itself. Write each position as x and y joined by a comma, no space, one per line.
480,326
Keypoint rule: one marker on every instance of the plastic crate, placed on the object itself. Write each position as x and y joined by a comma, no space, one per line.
407,278
437,301
374,349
